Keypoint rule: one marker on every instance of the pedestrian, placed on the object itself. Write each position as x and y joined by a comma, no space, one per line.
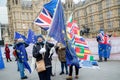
62,58
22,57
42,48
7,53
104,45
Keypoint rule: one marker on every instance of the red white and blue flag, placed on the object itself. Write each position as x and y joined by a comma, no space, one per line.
44,19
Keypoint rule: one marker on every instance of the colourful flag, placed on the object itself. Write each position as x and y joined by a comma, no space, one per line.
70,18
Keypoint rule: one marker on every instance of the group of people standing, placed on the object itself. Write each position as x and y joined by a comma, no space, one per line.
44,48
39,49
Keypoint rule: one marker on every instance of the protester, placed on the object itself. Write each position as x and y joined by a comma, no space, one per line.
22,57
104,46
38,51
7,53
62,58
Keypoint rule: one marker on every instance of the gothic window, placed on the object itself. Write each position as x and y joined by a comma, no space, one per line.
101,26
90,9
85,12
110,24
13,2
100,16
16,1
108,3
119,12
99,6
92,18
78,13
109,14
119,24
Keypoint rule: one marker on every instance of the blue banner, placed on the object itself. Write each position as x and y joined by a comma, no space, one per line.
1,60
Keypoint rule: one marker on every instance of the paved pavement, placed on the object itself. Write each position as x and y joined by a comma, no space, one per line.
108,71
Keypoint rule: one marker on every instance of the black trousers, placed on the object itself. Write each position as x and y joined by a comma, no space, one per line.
45,75
71,70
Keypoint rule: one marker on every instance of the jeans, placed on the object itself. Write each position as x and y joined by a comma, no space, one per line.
63,64
45,75
21,69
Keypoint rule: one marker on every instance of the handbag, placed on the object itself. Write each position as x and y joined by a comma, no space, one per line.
40,66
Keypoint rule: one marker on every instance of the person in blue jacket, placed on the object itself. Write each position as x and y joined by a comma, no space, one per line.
22,57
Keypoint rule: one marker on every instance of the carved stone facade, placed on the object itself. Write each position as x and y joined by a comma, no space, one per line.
21,14
96,14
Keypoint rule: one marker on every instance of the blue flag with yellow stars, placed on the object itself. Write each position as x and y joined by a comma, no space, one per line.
1,61
22,55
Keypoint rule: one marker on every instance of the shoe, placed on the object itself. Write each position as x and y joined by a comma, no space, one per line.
105,59
99,60
25,77
76,77
69,78
61,73
66,73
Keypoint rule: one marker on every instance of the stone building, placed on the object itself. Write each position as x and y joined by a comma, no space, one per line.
92,14
96,14
21,15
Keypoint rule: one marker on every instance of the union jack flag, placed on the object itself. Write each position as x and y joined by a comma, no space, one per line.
44,19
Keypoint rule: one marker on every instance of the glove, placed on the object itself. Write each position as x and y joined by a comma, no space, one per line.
42,50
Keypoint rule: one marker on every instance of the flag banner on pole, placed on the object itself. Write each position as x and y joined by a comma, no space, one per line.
44,19
81,47
2,66
32,38
18,35
58,28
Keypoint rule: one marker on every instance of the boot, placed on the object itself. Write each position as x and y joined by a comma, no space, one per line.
76,77
105,59
100,59
69,78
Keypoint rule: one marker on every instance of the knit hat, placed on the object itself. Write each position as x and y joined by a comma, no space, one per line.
40,36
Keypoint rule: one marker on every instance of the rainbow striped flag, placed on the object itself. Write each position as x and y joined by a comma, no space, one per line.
81,47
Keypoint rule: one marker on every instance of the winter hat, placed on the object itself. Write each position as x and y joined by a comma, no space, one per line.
40,36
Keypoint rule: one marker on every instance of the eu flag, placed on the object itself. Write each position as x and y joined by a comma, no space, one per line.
51,6
57,30
18,35
31,37
1,60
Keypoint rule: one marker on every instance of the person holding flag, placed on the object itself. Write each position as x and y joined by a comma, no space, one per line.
22,57
40,49
104,45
